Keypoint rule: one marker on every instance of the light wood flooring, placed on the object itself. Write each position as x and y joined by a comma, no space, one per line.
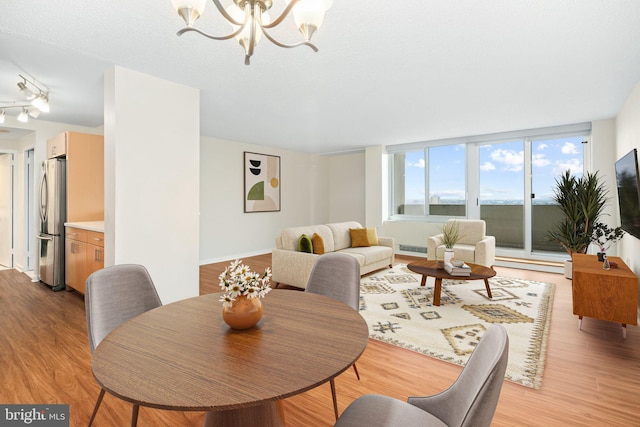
591,378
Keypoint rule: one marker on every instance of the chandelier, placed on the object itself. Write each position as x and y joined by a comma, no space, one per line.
36,101
249,20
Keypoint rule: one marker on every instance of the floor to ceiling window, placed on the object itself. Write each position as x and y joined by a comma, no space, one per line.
505,179
550,158
501,192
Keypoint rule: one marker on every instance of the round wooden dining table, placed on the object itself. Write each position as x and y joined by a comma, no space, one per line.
182,356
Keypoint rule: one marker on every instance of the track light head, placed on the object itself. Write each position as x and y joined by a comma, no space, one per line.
23,116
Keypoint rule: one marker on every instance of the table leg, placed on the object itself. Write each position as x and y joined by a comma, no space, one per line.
486,285
437,290
268,415
424,280
580,322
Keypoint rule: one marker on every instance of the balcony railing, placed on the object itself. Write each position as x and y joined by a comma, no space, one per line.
505,222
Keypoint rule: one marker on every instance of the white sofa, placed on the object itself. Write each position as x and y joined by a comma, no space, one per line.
474,245
291,267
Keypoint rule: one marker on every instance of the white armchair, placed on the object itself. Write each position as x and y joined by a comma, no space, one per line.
474,245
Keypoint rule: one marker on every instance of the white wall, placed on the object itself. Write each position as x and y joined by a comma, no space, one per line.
627,138
152,144
602,154
347,192
376,186
226,231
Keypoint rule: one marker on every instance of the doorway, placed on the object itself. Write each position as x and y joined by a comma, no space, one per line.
29,209
516,190
6,210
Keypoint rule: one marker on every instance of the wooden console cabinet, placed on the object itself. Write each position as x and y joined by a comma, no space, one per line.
84,254
604,294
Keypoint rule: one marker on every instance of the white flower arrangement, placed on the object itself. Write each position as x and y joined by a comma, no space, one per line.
237,279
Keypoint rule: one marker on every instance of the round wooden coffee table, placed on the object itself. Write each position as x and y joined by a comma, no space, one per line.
429,268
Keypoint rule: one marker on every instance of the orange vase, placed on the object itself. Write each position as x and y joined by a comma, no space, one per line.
243,313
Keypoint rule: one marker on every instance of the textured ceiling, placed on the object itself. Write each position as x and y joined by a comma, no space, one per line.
387,72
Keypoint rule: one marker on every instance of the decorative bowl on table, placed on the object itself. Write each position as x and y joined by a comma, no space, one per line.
457,263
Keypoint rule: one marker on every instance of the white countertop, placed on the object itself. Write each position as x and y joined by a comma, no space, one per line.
87,225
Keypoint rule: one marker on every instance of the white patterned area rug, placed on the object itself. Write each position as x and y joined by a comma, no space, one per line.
400,312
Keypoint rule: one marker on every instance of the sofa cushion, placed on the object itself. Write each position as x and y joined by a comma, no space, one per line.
341,236
471,231
372,236
358,237
288,238
318,244
370,254
305,244
465,253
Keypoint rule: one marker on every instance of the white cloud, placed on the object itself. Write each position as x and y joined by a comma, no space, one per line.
487,166
511,160
574,165
420,164
542,147
539,160
569,148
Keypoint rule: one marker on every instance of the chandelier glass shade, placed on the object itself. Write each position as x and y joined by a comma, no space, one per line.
250,19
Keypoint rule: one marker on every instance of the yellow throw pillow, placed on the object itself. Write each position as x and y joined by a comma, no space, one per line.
372,236
318,244
359,237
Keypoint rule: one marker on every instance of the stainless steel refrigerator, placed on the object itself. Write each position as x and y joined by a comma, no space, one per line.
53,214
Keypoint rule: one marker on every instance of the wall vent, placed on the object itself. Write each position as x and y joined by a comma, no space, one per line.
412,248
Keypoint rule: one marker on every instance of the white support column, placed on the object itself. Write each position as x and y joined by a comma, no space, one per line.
152,146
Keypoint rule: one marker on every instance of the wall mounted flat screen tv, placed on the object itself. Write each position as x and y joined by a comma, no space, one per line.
628,182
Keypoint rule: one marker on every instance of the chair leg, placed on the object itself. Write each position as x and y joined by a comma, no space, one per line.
356,370
335,400
95,408
134,415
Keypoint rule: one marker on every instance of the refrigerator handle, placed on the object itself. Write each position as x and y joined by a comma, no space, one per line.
44,195
44,237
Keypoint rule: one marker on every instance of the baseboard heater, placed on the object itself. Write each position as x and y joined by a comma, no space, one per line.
412,248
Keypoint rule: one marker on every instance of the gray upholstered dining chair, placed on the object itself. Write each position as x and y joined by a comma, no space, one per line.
470,402
336,276
112,296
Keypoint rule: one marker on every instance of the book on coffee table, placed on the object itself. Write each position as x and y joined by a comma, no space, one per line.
464,270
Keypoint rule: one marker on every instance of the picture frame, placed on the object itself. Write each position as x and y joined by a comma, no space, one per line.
262,185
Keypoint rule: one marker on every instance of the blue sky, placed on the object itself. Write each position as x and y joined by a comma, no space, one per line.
501,169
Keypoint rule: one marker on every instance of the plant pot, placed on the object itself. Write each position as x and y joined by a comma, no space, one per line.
568,267
448,255
244,313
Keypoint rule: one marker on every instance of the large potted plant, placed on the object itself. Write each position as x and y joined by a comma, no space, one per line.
582,201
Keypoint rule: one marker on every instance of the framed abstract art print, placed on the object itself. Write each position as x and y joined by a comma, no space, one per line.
261,182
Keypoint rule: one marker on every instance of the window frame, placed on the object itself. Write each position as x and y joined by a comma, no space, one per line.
472,209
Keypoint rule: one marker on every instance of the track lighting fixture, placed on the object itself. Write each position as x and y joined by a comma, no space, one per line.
37,101
23,116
